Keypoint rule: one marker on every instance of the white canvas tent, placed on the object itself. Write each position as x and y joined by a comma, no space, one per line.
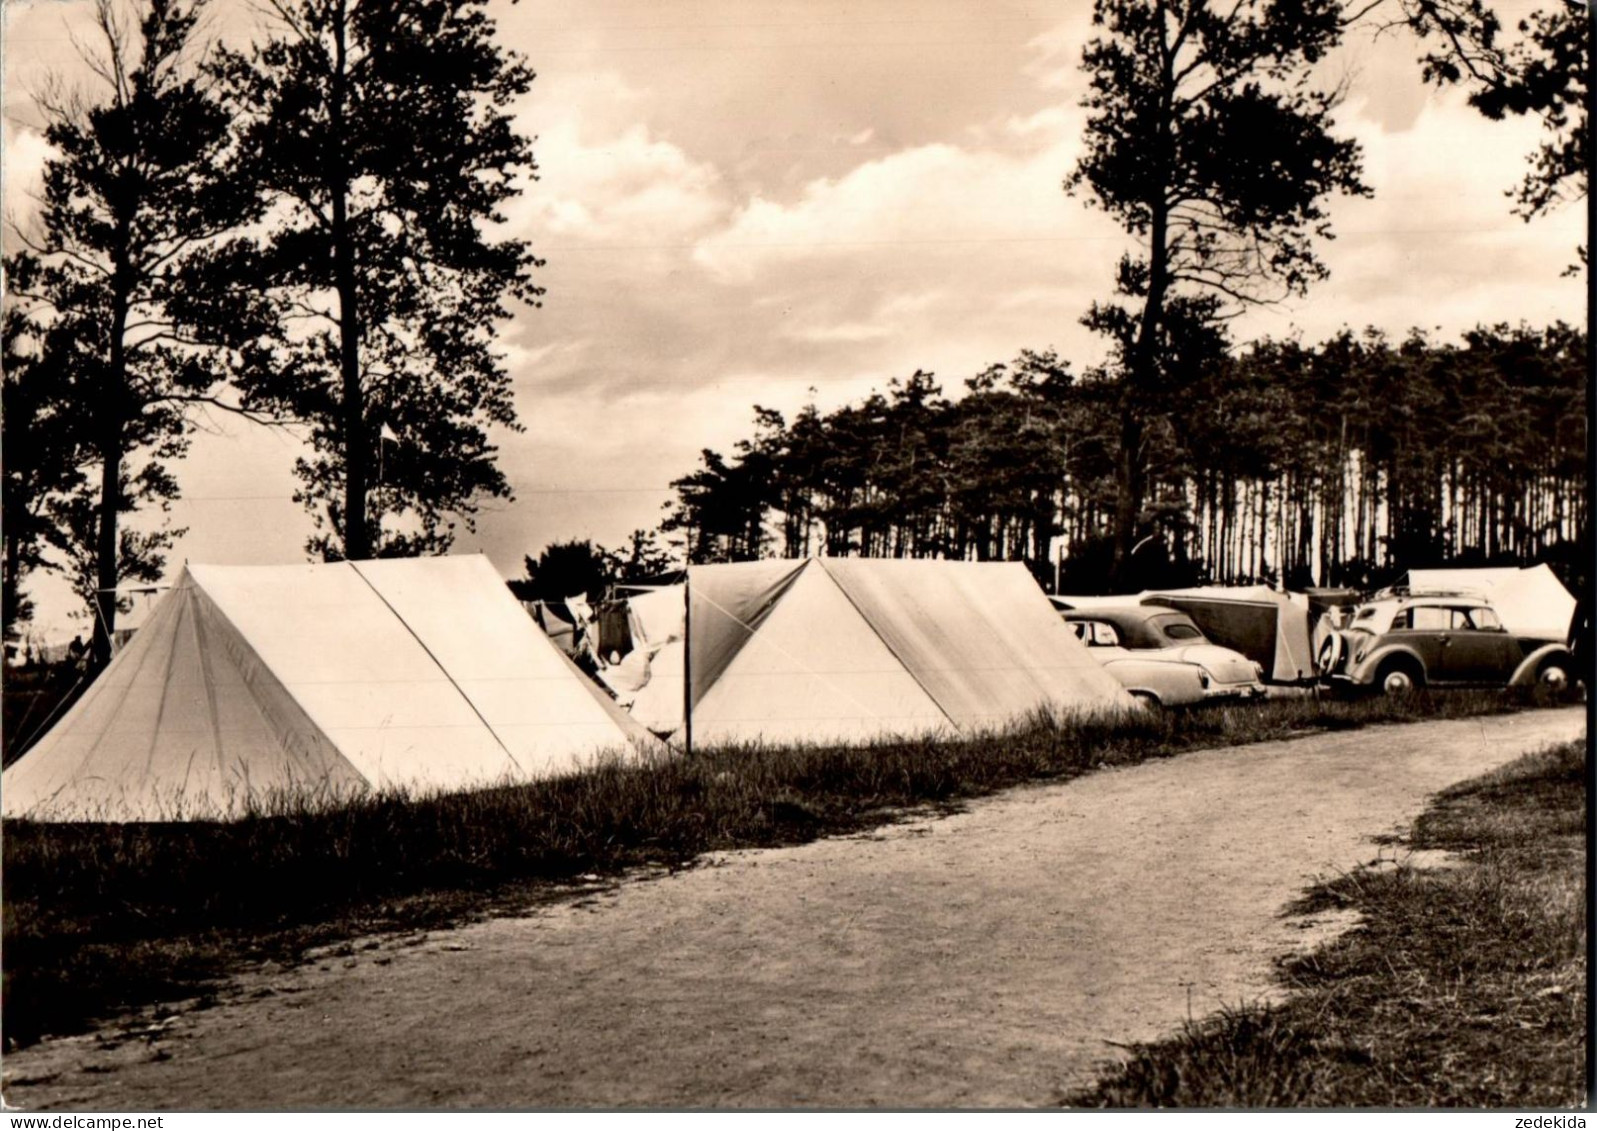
1532,602
251,681
1264,624
852,649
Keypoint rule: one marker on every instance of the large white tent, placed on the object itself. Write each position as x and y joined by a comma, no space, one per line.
853,649
1532,602
1263,624
251,684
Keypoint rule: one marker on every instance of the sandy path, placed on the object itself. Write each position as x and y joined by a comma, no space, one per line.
979,959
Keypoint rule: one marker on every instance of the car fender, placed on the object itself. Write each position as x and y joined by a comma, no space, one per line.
1531,664
1173,683
1366,668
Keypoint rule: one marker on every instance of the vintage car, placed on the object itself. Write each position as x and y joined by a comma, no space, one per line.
1162,658
1402,639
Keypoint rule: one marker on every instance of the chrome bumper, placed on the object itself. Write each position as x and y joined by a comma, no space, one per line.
1234,691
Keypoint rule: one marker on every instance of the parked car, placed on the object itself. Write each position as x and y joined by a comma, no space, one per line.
1162,658
1403,639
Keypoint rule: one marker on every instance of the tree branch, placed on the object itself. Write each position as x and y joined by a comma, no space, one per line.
254,416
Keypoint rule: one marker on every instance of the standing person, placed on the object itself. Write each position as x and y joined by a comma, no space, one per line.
1580,631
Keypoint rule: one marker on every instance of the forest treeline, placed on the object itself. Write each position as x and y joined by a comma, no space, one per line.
1341,463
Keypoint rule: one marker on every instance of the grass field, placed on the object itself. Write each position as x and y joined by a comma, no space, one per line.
102,917
1463,986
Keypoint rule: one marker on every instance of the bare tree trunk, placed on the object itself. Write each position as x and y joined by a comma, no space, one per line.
357,538
113,404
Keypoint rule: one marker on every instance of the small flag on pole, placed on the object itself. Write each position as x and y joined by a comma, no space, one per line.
388,434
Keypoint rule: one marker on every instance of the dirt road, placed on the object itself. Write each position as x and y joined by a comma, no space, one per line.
980,959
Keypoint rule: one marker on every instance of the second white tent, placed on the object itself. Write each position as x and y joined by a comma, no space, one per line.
852,649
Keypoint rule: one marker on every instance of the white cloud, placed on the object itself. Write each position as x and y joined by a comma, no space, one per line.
1055,64
623,188
1435,244
838,332
606,180
977,197
944,256
25,153
1049,122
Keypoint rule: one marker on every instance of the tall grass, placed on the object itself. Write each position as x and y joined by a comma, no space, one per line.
33,697
1462,987
101,916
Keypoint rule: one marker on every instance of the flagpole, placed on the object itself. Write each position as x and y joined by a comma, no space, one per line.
687,662
385,435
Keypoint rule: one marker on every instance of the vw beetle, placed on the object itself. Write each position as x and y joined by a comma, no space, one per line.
1403,639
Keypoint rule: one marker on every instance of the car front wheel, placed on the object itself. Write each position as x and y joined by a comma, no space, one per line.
1554,676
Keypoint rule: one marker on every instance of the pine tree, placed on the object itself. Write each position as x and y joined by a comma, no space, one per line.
385,150
142,181
1209,143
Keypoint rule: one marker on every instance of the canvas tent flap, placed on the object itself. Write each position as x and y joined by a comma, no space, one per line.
726,605
1481,580
1319,599
1538,604
979,636
1248,627
555,623
814,671
1532,602
1267,626
1088,603
240,686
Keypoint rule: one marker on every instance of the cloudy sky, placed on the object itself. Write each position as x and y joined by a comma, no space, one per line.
741,201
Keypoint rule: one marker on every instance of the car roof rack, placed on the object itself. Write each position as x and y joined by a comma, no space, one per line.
1421,591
